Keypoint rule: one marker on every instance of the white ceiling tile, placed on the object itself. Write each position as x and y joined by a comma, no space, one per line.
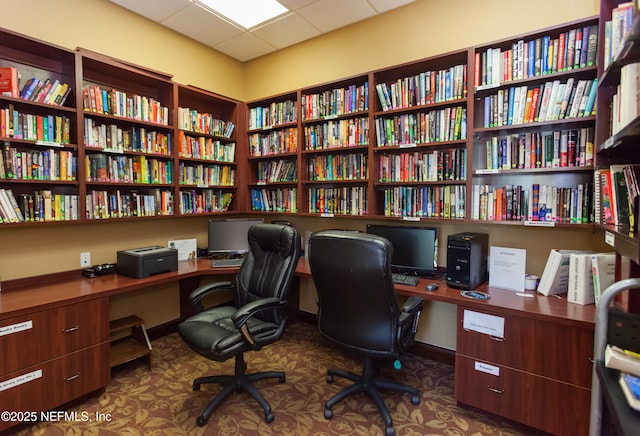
156,10
286,31
244,47
329,15
387,5
294,5
198,23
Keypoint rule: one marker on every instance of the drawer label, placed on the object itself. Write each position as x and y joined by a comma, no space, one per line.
483,323
15,328
21,379
489,369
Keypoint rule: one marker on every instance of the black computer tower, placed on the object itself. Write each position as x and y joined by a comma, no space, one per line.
467,260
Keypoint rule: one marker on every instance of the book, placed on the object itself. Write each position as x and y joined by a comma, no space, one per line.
9,78
620,196
555,276
580,284
630,385
603,272
621,359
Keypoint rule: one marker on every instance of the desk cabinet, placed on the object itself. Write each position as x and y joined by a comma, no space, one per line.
530,375
53,356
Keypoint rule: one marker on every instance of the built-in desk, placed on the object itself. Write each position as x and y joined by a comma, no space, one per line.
55,339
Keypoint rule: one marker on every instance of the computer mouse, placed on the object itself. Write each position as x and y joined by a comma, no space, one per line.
432,287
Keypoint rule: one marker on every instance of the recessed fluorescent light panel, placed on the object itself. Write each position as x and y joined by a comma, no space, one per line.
246,13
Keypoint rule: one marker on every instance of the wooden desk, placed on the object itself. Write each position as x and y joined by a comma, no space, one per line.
59,338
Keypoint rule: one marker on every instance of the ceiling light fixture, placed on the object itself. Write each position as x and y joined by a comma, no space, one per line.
246,13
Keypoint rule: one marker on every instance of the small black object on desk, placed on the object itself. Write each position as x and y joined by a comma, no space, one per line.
431,287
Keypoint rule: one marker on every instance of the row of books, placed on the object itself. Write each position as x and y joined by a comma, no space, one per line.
119,104
352,166
424,88
347,200
543,203
625,103
46,91
425,201
274,200
448,124
337,133
111,137
616,29
550,101
204,201
276,114
44,128
575,48
560,148
118,204
101,167
627,362
272,171
206,123
45,164
41,205
205,148
207,175
275,142
581,274
617,195
423,166
335,102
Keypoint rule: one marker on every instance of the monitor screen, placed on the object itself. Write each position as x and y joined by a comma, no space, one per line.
229,236
415,249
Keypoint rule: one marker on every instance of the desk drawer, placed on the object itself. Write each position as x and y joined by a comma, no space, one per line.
549,405
40,336
553,350
56,382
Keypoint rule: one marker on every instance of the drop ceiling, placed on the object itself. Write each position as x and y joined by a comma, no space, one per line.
306,19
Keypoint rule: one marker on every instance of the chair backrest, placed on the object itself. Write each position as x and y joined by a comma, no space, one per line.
358,307
269,266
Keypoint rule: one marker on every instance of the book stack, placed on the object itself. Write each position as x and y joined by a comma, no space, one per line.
628,363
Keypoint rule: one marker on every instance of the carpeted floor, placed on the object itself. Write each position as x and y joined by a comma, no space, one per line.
162,402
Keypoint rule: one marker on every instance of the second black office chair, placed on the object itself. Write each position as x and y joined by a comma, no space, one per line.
359,310
257,318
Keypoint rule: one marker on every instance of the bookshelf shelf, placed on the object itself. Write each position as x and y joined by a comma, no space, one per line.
533,118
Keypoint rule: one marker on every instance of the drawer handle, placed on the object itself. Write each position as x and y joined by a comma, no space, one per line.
497,339
71,329
496,390
73,377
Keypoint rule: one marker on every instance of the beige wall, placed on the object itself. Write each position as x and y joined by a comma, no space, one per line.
422,29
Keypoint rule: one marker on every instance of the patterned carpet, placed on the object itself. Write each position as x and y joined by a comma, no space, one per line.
161,401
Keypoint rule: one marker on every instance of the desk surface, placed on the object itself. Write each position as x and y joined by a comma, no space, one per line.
40,295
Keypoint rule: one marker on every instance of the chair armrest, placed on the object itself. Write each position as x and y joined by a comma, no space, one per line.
243,314
200,292
411,310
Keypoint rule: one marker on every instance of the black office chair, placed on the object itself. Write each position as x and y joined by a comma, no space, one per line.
257,318
358,309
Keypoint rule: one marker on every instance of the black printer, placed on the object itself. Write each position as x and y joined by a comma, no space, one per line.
147,261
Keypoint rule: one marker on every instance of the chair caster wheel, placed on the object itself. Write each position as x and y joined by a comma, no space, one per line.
329,379
389,431
328,413
201,421
415,400
196,386
269,417
282,379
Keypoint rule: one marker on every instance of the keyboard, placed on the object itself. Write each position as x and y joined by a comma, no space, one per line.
403,279
226,263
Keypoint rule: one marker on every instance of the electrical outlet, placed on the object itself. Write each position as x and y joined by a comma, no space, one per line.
85,259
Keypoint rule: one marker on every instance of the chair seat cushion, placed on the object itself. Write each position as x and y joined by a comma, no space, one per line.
212,333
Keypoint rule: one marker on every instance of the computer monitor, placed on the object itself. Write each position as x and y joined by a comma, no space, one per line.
415,249
228,237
